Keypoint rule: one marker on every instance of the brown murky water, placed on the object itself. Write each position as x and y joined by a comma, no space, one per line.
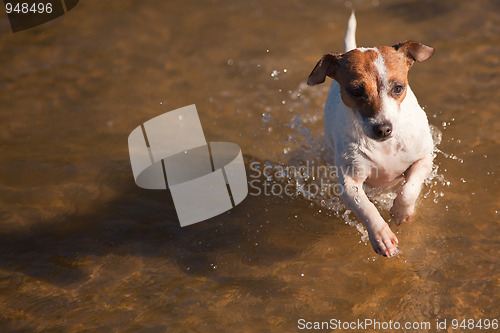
83,249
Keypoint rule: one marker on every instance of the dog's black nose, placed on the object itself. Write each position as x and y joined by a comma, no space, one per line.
382,131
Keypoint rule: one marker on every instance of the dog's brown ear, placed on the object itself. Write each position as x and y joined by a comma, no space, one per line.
414,50
326,66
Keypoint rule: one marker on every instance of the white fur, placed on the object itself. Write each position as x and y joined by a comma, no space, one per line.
350,33
379,163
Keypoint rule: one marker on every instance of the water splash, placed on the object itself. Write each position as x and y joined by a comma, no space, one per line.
304,153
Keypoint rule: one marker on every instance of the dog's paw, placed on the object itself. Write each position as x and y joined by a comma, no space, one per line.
402,213
383,240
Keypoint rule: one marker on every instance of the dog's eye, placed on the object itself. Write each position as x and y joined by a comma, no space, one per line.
357,91
398,89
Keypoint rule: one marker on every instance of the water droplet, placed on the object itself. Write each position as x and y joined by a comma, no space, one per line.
266,117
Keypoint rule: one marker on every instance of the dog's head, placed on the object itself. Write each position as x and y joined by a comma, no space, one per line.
373,82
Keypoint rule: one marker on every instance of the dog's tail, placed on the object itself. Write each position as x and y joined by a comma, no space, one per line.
350,34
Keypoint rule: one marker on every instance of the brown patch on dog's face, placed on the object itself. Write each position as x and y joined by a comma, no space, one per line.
358,84
364,79
397,66
362,86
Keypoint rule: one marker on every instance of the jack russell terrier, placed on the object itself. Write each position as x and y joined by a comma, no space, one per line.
379,132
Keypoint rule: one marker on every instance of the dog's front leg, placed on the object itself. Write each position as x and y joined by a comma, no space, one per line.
403,207
383,240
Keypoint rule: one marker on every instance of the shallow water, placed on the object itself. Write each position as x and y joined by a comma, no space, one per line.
83,249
